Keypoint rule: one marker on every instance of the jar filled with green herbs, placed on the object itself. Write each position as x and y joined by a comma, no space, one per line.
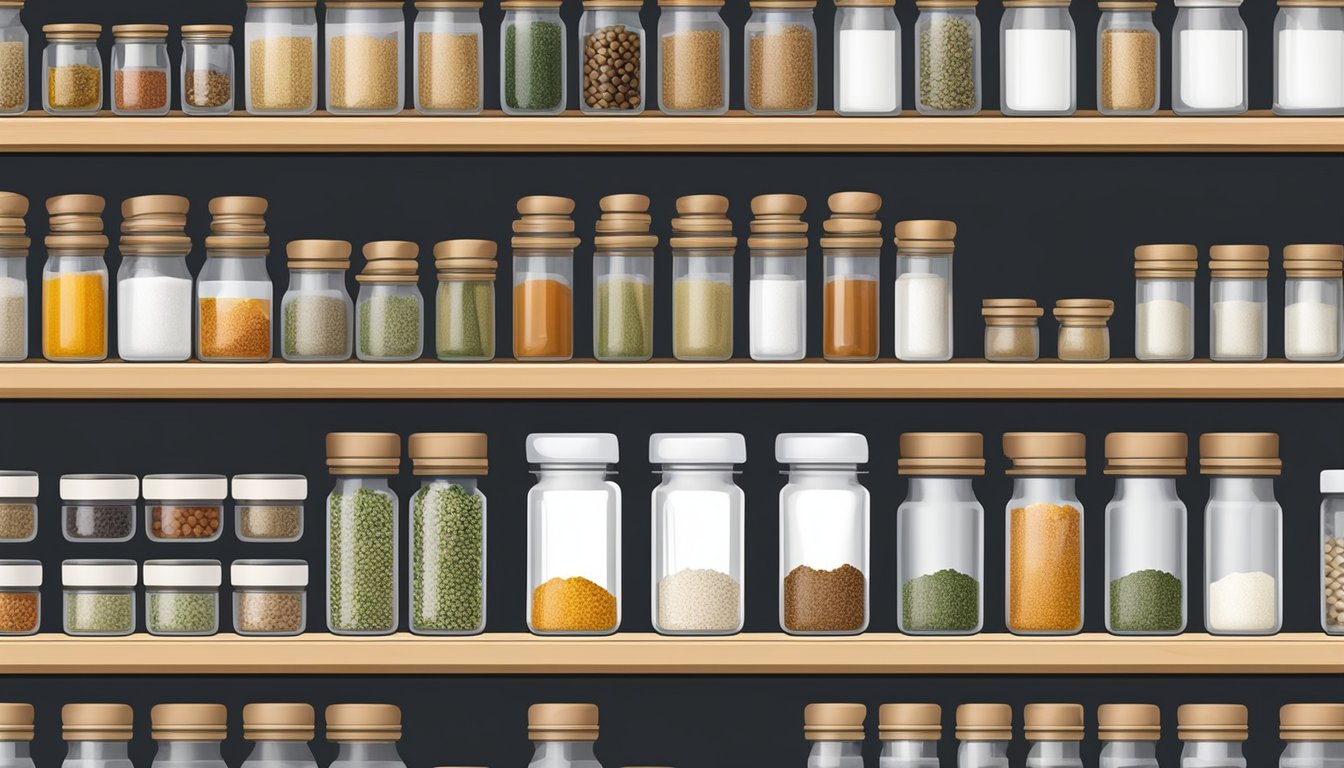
99,597
947,58
532,51
390,310
362,533
448,534
464,311
623,280
317,317
182,596
702,272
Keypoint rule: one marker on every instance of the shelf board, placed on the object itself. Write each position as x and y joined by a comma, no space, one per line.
1258,131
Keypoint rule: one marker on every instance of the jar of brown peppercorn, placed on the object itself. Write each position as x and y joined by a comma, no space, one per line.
611,58
184,507
207,69
20,596
140,78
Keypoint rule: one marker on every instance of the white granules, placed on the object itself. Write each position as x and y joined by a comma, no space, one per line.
1243,602
1311,331
1163,331
1238,330
778,319
154,318
699,599
923,312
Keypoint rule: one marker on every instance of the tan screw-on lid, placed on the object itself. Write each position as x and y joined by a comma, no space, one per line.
448,453
318,254
562,722
97,722
625,223
926,234
1129,722
1312,260
985,722
834,722
363,722
1311,722
1146,454
72,32
545,223
1250,454
1247,261
942,454
140,31
390,261
945,3
690,3
702,222
154,225
1166,260
1126,5
784,4
463,260
778,223
864,3
13,231
238,225
910,722
853,222
16,722
1053,722
278,722
1084,313
1211,722
189,722
207,31
75,221
1046,454
363,453
1010,312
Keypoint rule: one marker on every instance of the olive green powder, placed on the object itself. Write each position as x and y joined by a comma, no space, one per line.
1146,601
389,327
624,319
106,613
363,580
946,600
465,315
188,613
448,550
533,65
947,64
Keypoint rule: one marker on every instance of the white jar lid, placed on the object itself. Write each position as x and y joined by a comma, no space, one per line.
270,487
99,573
697,448
1332,481
100,487
269,573
821,448
183,573
573,448
18,484
186,487
20,573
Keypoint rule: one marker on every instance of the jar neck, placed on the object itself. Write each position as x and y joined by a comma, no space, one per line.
569,751
1043,487
1132,751
1055,754
1327,754
573,472
293,752
722,473
940,489
188,752
368,752
798,472
1145,487
96,750
468,484
1214,754
836,754
352,483
982,754
1241,489
912,753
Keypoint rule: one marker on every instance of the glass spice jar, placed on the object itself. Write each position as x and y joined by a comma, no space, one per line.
97,735
1084,332
1209,60
1313,314
947,58
74,69
269,508
449,67
702,279
985,731
1213,735
543,279
851,251
1314,734
1243,534
18,506
281,60
781,60
14,244
778,308
13,60
1332,545
391,310
867,58
317,317
836,734
279,734
207,69
233,291
270,597
184,507
693,58
1164,318
1128,58
365,53
74,281
362,538
154,282
16,735
1055,732
1011,332
909,735
1238,302
464,304
1308,48
99,508
611,58
182,597
563,735
366,735
1045,533
623,280
532,77
189,735
99,597
924,290
141,80
448,533
20,597
1129,734
1038,59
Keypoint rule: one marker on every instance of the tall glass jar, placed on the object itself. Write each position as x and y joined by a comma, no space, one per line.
448,533
208,69
543,279
851,251
947,58
1213,735
781,58
573,535
182,597
16,735
836,734
1209,60
1012,332
362,541
367,735
940,534
1313,313
366,54
1038,58
1238,302
464,304
985,731
18,506
867,58
924,290
702,272
281,60
233,291
391,310
823,534
532,77
74,281
449,68
1045,533
1243,534
317,317
1164,317
14,244
623,280
1129,60
74,69
13,60
141,75
1056,734
1308,50
99,597
778,308
693,58
910,735
1314,734
563,735
153,283
611,58
1129,734
189,735
21,602
97,735
279,734
698,534
1332,547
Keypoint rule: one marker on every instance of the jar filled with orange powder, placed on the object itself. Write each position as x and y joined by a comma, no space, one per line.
234,291
74,281
851,251
543,279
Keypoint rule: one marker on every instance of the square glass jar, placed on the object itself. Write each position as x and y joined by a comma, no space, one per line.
99,508
99,597
269,508
18,506
270,597
20,597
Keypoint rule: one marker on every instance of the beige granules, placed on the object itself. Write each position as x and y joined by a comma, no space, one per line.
782,69
13,76
692,70
365,72
1128,79
280,73
449,71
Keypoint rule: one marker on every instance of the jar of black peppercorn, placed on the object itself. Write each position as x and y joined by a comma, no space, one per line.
99,508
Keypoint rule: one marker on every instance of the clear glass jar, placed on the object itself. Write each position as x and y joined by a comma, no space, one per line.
867,59
233,306
532,77
464,305
1084,331
13,286
1243,534
1044,552
1209,70
18,506
353,728
611,58
623,305
366,54
543,278
1055,732
362,536
16,742
449,68
836,734
850,303
106,730
141,74
702,303
13,61
281,61
1308,51
154,303
391,322
448,534
74,69
985,731
1212,735
20,600
208,69
317,317
182,597
780,39
778,308
74,281
1038,58
99,597
909,734
1312,735
693,58
823,529
1129,735
924,290
1313,316
1332,546
1012,334
1129,60
947,59
1238,302
184,507
279,734
1164,317
189,735
573,535
698,534
99,508
269,508
563,735
270,597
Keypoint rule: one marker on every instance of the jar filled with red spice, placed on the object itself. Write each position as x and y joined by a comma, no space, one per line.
140,69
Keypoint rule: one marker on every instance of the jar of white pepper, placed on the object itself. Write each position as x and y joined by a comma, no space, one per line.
1084,335
1313,323
13,59
317,317
611,65
207,69
269,508
1012,334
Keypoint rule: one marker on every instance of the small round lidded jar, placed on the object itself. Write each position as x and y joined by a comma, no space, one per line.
449,68
1044,548
702,279
611,65
1012,334
948,80
909,735
1213,735
270,597
269,508
182,596
985,731
623,280
781,57
532,76
1084,333
543,279
390,308
464,304
836,733
366,53
14,298
99,596
18,506
851,251
184,507
1313,313
74,69
1314,734
189,735
141,75
778,309
692,58
281,58
99,508
1238,302
317,317
1129,734
13,59
207,69
20,597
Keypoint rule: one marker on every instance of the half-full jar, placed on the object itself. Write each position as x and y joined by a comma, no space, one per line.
366,53
867,58
269,508
836,734
623,280
940,530
1012,333
692,58
543,278
20,597
702,272
464,304
573,535
1238,302
99,596
778,309
1129,734
270,597
18,506
1164,316
1038,59
563,735
367,735
184,507
13,60
1313,314
1314,734
985,731
924,290
207,69
182,596
1308,47
74,281
448,533
74,69
947,58
14,243
1213,735
851,250
154,282
317,317
1209,61
909,735
279,734
281,59
611,58
1129,59
698,540
1243,534
141,81
1056,734
1045,533
532,79
448,72
189,735
97,735
362,533
1084,331
781,60
99,508
391,310
234,291
16,735
823,529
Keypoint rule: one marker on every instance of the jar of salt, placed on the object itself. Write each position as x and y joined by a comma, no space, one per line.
1314,293
1238,302
778,246
867,58
1209,58
924,290
1037,74
1308,49
1164,316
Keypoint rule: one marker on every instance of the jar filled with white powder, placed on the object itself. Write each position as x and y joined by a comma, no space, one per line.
154,309
1314,735
1213,735
924,289
1243,529
778,246
14,244
1164,316
1238,304
1313,325
867,58
1309,58
1037,73
1209,58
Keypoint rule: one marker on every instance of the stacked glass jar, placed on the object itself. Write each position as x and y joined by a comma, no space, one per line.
391,310
269,508
1308,47
910,734
362,533
14,243
184,507
317,317
851,250
1210,62
207,69
778,308
13,60
365,53
1038,60
74,281
182,597
1045,533
611,64
74,69
1313,314
947,58
464,305
543,279
1238,302
924,290
99,508
623,280
693,58
532,76
702,274
1164,318
153,282
1129,734
233,291
781,60
141,76
1243,534
867,58
448,523
449,63
1129,60
836,734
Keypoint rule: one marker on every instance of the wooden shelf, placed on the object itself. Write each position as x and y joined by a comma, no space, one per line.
1258,132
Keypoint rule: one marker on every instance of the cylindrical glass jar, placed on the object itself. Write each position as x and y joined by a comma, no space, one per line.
182,596
867,58
698,534
1129,734
563,735
153,282
1243,534
317,317
532,77
279,734
1129,61
1308,49
189,735
16,742
823,529
985,731
141,75
1012,334
366,54
1332,546
74,69
1164,317
1313,314
702,273
836,734
362,538
281,60
623,280
99,597
1238,302
781,58
611,58
1044,550
1213,735
573,535
464,304
13,60
947,58
97,735
1038,58
269,508
693,58
184,507
940,533
1056,734
74,281
18,506
270,597
909,735
851,250
1314,734
390,308
924,290
543,278
367,735
234,294
449,68
1084,333
14,245
20,597
778,308
207,69
1209,61
448,540
99,508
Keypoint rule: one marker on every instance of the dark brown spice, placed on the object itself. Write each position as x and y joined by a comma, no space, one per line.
208,89
824,601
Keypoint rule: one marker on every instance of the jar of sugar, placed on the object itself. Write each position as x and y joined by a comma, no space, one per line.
1238,305
867,58
924,290
1209,67
1164,316
1308,46
1037,74
1314,293
1243,532
778,245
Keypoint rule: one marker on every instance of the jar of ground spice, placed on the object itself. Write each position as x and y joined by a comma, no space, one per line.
1238,302
464,304
1084,333
693,58
281,59
233,291
98,735
448,533
1313,320
18,506
924,290
367,735
449,67
1128,58
910,734
1011,331
781,43
1209,58
99,596
154,283
823,568
543,279
189,735
835,732
269,508
1038,61
184,507
74,281
778,309
14,243
1243,534
391,310
317,317
611,63
1213,734
20,597
851,250
702,271
867,58
1164,317
207,69
99,508
280,734
74,69
947,58
1129,734
985,731
532,52
1314,733
13,60
182,596
270,597
1308,39
623,280
365,48
1045,533
140,70
362,543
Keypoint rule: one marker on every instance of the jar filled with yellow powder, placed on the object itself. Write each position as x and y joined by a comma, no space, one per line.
74,281
74,69
234,292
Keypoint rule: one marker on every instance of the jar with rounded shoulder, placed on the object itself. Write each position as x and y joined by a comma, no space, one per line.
948,78
464,304
1243,534
234,294
563,735
448,74
448,533
1313,735
702,279
1129,61
1084,330
97,735
14,298
390,308
909,734
985,731
13,59
1209,58
836,734
778,306
867,58
533,53
279,734
189,735
75,281
1212,735
1313,313
280,63
366,54
1055,732
1012,332
1238,302
543,279
154,284
851,252
208,69
366,735
141,75
270,597
1164,317
1308,47
924,290
317,317
781,58
692,58
623,280
1044,547
1038,58
73,69
362,533
1129,734
611,58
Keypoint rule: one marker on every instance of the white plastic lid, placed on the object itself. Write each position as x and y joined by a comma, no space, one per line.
270,487
269,573
18,484
697,448
100,487
573,448
821,448
20,573
183,573
186,487
1332,481
99,573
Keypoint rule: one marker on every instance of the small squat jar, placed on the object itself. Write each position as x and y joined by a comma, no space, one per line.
1129,59
269,508
317,317
1056,734
207,69
189,735
693,58
1209,60
270,597
13,60
182,597
448,525
448,71
464,304
362,533
18,506
1243,534
184,507
20,597
1212,735
1044,550
985,731
1314,735
141,75
836,734
909,735
778,309
947,58
366,735
14,298
279,734
867,58
1313,315
1038,58
74,69
99,597
532,77
611,64
543,279
1308,48
366,54
99,508
1084,332
390,308
563,735
851,252
97,735
1164,317
924,290
281,59
702,273
1012,334
1129,734
1238,303
623,280
781,58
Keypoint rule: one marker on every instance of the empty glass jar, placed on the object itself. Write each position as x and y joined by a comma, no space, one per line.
99,597
1038,58
867,58
924,290
18,506
623,279
74,69
611,60
182,597
448,522
281,58
1045,533
1308,49
1129,734
20,598
1243,533
781,58
391,310
317,317
532,78
16,741
702,273
464,304
1129,60
1212,735
449,67
836,734
141,79
1238,302
693,58
778,308
366,54
1313,315
362,533
1164,318
13,61
367,735
543,279
1209,61
207,69
947,58
270,597
97,735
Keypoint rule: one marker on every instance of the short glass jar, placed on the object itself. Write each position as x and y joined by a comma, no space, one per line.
74,69
362,533
270,597
1314,735
623,280
234,294
367,735
14,299
99,508
464,304
543,279
611,58
281,59
867,58
1044,548
13,60
1164,317
778,296
985,731
182,596
1129,61
448,533
449,68
1313,314
1238,302
702,279
1212,735
836,734
75,281
909,734
1084,331
1055,732
366,54
18,506
141,74
924,290
1129,734
532,77
208,69
1012,333
391,311
317,317
780,39
1308,49
1243,534
851,253
1332,547
189,735
1038,58
99,597
97,735
153,282
693,58
947,58
1209,61
269,508
184,507
279,734
20,597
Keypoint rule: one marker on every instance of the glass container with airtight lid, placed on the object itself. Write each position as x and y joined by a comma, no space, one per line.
14,245
1314,734
781,57
449,68
543,278
778,310
18,506
362,543
1313,314
924,290
279,734
1164,311
1243,534
154,282
281,60
74,69
1084,332
366,54
533,53
1129,734
184,507
367,735
141,74
836,733
563,735
182,596
611,62
1045,533
851,250
1209,61
909,735
693,57
75,281
702,272
233,291
1012,332
16,735
984,730
867,58
99,596
448,523
698,534
1038,63
270,597
1332,548
99,508
390,308
20,602
189,735
1213,735
947,58
97,735
464,304
1128,58
13,59
1308,48
317,317
623,280
1056,734
207,69
1238,302
269,508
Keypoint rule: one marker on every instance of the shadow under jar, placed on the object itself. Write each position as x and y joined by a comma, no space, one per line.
141,76
270,597
13,60
269,508
448,526
611,65
208,69
692,58
184,507
781,52
99,508
464,303
317,317
532,77
74,69
366,53
20,597
449,67
281,57
182,597
99,597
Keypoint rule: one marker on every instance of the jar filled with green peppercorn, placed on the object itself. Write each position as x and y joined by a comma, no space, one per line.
448,534
947,58
532,51
464,305
623,280
390,308
182,596
99,596
317,317
362,533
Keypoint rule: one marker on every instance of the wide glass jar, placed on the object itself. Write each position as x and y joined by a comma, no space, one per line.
317,317
362,537
189,735
366,734
18,506
1044,551
74,69
279,734
1314,735
233,291
623,270
1055,732
269,508
909,735
154,283
1243,534
13,60
692,58
698,534
99,597
391,310
141,74
281,59
836,734
184,507
1129,734
573,535
702,272
924,290
366,54
947,58
1213,735
563,735
851,251
449,68
270,597
940,533
182,597
1309,58
464,304
1313,314
1038,58
1084,330
867,58
781,58
99,508
74,281
611,58
1164,317
532,77
778,308
14,245
823,529
543,279
448,525
1238,302
208,69
97,735
1209,61
16,720
1129,61
1012,332
985,731
20,597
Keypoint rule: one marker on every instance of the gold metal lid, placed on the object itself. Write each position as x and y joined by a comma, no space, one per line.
834,722
16,722
1243,261
562,722
933,235
1053,722
1312,259
1146,454
363,453
1211,722
1129,722
448,453
318,254
207,31
363,722
140,31
1009,313
1311,722
910,722
1046,454
702,222
97,722
189,722
1242,454
1166,260
278,722
985,722
942,454
72,32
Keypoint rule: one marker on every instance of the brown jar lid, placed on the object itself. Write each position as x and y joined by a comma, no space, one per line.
942,454
690,3
97,722
545,223
1166,260
984,722
1036,3
390,261
784,4
1010,312
864,3
1245,261
926,234
238,225
702,222
72,32
1311,722
75,222
1146,454
1046,454
464,260
1211,722
154,207
318,254
853,222
1250,454
16,722
278,722
13,230
283,3
834,722
625,223
778,224
1053,722
140,31
510,5
1126,5
363,453
448,453
562,722
1314,260
1084,313
189,722
363,722
207,31
910,722
1129,722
